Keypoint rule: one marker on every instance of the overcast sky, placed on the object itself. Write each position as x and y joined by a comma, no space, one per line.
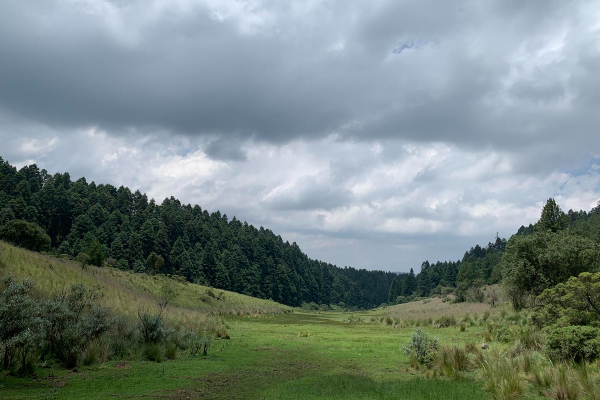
375,134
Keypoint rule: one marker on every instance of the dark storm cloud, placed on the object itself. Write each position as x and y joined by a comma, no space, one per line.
276,72
228,150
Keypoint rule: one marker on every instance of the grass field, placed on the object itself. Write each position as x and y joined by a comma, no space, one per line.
272,353
288,356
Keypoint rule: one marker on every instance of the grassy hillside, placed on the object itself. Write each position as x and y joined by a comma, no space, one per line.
126,292
436,307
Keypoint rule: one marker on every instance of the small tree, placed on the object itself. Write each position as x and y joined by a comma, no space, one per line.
154,263
553,218
492,297
167,294
94,251
83,259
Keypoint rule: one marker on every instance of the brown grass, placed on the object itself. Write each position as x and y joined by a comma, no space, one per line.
435,308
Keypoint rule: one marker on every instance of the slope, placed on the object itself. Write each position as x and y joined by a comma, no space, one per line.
125,292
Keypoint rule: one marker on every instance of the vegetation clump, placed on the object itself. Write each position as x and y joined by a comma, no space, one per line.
574,343
421,347
445,321
72,328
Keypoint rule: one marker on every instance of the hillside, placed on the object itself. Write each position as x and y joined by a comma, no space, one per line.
128,231
126,292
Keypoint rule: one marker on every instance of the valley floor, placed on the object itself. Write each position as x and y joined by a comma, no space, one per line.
289,356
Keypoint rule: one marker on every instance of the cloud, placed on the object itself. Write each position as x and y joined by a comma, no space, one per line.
375,134
341,201
477,74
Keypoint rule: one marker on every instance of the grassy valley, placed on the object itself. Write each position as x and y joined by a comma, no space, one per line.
271,353
105,294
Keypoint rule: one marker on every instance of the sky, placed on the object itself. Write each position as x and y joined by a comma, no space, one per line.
375,134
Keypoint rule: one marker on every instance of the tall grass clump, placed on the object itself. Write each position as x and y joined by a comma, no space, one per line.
501,377
451,361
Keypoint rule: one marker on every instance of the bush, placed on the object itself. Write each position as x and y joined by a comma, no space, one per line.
444,321
200,344
421,347
353,319
576,343
152,328
25,234
20,323
312,306
94,352
72,320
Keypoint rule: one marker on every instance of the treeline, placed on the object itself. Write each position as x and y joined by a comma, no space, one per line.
105,225
558,237
559,246
478,267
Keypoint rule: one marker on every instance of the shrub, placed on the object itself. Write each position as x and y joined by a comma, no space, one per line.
529,339
72,320
421,347
95,351
353,319
312,306
152,328
20,323
200,344
503,334
577,343
25,234
444,321
485,316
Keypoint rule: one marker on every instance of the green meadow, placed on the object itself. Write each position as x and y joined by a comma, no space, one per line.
289,356
259,349
273,351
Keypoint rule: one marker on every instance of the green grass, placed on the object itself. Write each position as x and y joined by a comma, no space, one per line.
271,355
268,358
